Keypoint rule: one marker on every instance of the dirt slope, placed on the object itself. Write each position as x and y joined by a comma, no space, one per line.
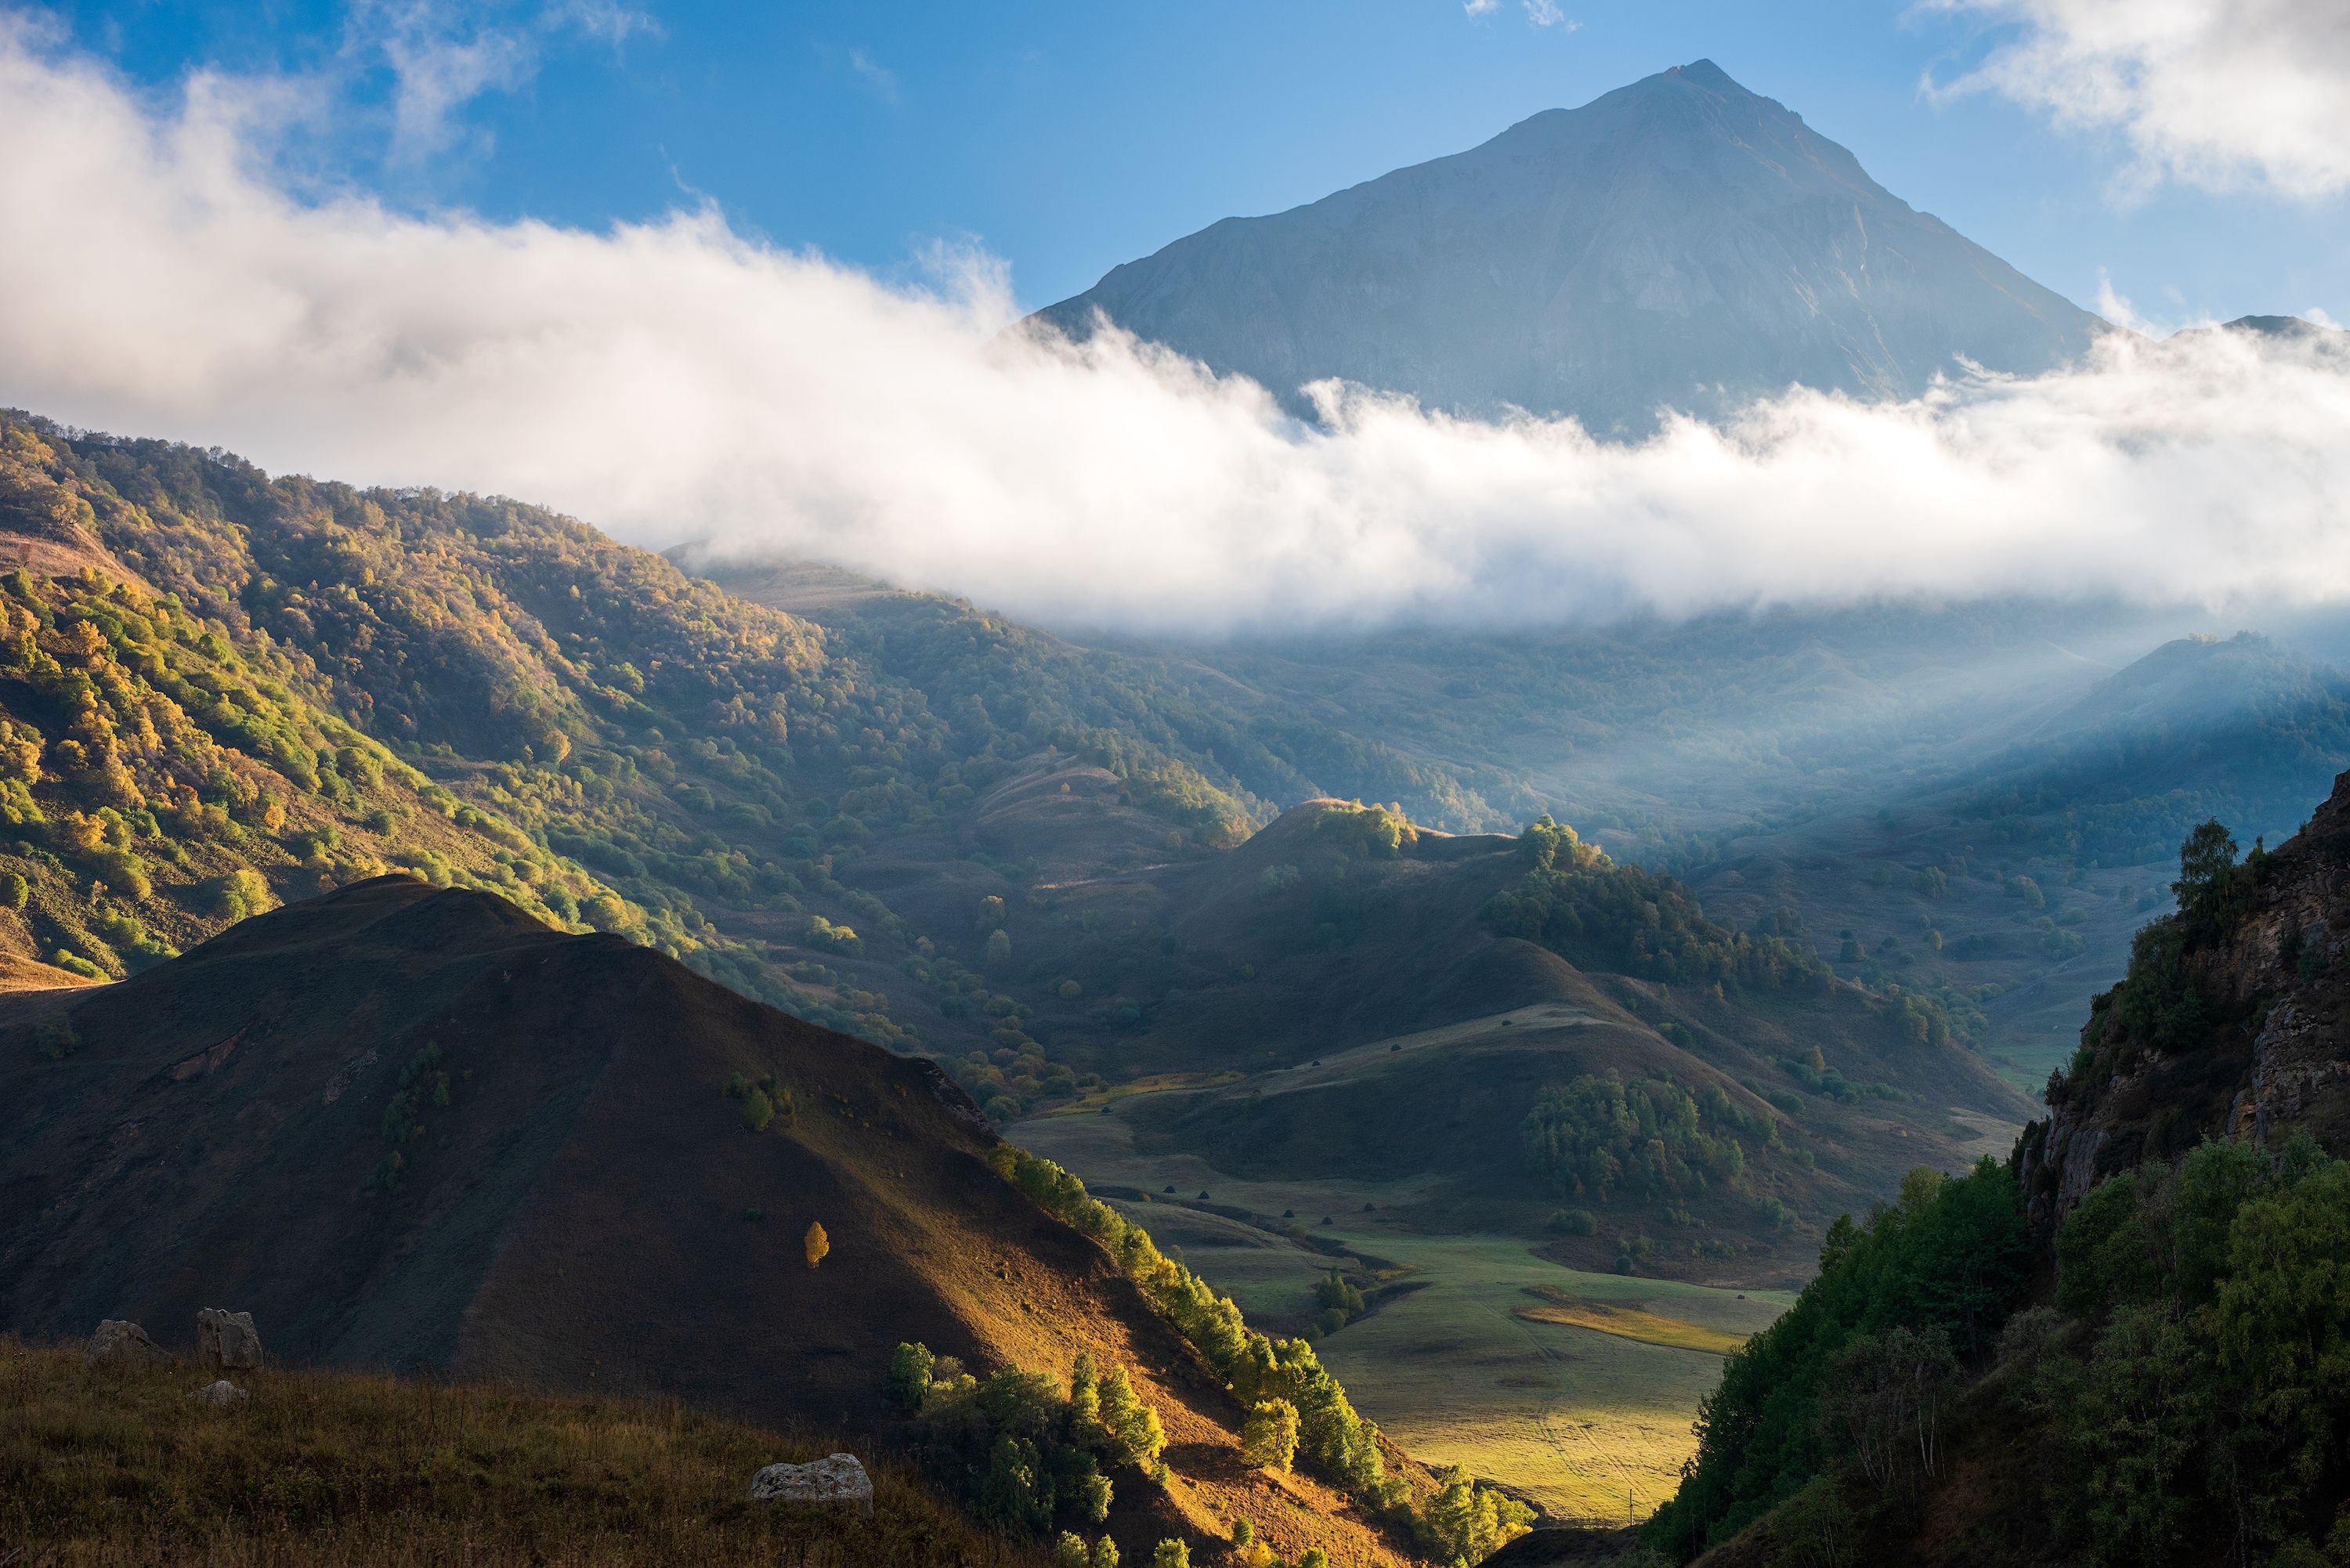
588,1210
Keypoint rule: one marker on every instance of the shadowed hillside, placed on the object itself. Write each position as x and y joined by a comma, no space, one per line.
416,1128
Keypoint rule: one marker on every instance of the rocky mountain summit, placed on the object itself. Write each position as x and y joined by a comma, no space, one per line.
1678,243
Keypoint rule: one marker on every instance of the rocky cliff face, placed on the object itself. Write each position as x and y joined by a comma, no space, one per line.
1680,241
2267,1054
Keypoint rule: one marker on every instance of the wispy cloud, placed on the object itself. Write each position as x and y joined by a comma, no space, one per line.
876,76
1546,13
443,55
676,381
2220,94
1481,7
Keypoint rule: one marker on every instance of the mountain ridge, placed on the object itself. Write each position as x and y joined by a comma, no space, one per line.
1678,242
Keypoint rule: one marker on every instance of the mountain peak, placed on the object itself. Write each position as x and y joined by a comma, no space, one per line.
1681,242
1706,74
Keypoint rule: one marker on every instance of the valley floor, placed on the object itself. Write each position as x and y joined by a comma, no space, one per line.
1574,1389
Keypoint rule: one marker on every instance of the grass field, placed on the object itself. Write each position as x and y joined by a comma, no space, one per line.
1468,1357
1625,1320
108,1469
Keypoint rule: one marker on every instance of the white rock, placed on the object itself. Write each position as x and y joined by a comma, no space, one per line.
226,1341
221,1392
120,1343
836,1480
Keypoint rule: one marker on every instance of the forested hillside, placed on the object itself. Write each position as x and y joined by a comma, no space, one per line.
1263,746
245,689
919,824
2129,1345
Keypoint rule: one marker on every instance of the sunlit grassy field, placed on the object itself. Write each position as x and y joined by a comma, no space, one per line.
1625,1320
1473,1355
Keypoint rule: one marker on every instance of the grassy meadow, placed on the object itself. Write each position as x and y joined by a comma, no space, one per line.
1574,1389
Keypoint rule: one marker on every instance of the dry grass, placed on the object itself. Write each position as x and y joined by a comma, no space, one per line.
105,1468
1156,1082
1627,1320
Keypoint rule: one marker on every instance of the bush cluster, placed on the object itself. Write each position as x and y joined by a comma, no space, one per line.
1021,1450
1336,1442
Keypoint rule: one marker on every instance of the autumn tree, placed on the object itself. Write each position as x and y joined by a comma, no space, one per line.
1269,1436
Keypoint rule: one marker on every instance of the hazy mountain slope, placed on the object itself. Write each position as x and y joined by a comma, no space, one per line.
416,1128
2018,867
1270,748
1678,242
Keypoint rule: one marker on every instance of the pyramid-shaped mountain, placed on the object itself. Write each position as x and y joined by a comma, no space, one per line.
1678,242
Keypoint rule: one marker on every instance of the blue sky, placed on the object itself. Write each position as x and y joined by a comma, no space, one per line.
1068,137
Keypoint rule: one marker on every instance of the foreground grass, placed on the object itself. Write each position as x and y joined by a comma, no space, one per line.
347,1471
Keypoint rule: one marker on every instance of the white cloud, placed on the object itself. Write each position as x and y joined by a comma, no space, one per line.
676,381
1546,13
1481,7
2220,94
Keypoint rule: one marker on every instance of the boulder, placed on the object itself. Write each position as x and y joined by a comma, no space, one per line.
836,1481
221,1392
226,1342
123,1345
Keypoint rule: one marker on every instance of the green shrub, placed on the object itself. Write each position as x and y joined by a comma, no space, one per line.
240,895
54,1038
1269,1436
1023,1454
908,1377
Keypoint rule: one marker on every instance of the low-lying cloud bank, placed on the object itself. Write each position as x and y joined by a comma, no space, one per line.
676,381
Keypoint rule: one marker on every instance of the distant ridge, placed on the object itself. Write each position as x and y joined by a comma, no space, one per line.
1680,241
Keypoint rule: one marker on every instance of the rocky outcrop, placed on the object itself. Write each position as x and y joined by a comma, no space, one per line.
227,1341
122,1344
2272,1059
222,1392
836,1480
